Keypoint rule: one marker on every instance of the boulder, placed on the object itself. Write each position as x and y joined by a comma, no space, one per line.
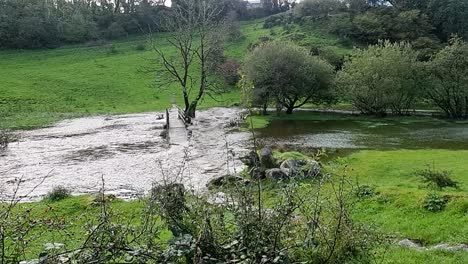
304,168
226,179
312,169
410,244
266,158
276,174
220,198
294,166
251,159
257,173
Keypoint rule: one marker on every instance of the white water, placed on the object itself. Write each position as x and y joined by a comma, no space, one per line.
126,150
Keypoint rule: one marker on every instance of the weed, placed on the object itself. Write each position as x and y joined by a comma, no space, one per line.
58,193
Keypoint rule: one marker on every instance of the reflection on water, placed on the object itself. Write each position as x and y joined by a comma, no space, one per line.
353,133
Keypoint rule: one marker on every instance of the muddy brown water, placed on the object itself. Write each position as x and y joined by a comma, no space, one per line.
127,151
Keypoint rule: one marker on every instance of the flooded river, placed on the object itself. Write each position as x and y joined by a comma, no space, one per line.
351,132
127,151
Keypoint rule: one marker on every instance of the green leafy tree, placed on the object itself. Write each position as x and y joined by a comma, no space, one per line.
287,75
380,78
447,85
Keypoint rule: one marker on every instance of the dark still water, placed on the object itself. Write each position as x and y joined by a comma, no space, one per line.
341,132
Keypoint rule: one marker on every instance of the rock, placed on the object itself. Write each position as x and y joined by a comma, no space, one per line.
226,179
304,168
266,159
312,169
50,246
33,261
257,173
446,247
251,159
410,244
294,166
276,174
220,198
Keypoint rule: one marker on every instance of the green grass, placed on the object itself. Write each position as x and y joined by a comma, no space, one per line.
397,207
43,86
68,218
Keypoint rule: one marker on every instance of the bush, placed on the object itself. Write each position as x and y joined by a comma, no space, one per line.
5,139
230,71
437,178
365,191
58,193
140,47
381,78
434,203
111,49
447,86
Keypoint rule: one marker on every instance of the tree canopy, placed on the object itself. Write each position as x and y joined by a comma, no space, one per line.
287,75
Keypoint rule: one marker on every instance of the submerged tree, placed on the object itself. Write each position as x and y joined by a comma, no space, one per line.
380,78
192,24
447,86
287,75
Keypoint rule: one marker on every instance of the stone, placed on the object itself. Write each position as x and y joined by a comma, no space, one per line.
304,168
410,244
447,247
294,166
257,173
266,158
251,159
50,246
220,198
226,179
276,174
312,169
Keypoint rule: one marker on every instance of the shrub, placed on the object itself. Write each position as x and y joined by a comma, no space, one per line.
434,203
380,78
447,86
437,178
230,71
5,139
365,191
58,193
140,47
112,50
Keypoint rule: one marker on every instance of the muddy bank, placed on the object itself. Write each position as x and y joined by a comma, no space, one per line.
126,150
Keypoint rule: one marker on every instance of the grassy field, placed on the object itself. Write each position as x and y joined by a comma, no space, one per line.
395,210
40,87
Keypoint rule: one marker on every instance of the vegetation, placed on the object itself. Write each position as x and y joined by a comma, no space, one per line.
58,193
286,75
298,58
437,179
447,85
382,77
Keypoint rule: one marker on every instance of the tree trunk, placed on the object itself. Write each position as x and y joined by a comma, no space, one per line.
265,106
289,110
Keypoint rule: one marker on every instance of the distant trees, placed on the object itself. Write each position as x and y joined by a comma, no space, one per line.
45,24
287,75
380,78
423,23
447,85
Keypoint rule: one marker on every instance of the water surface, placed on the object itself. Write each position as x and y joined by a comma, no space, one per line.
342,132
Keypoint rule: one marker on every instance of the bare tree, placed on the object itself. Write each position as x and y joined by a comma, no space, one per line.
190,23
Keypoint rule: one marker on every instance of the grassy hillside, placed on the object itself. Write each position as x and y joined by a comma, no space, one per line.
39,87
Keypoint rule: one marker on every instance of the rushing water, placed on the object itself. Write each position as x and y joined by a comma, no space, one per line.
350,132
126,151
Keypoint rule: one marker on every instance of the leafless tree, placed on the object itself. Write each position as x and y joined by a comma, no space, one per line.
190,23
